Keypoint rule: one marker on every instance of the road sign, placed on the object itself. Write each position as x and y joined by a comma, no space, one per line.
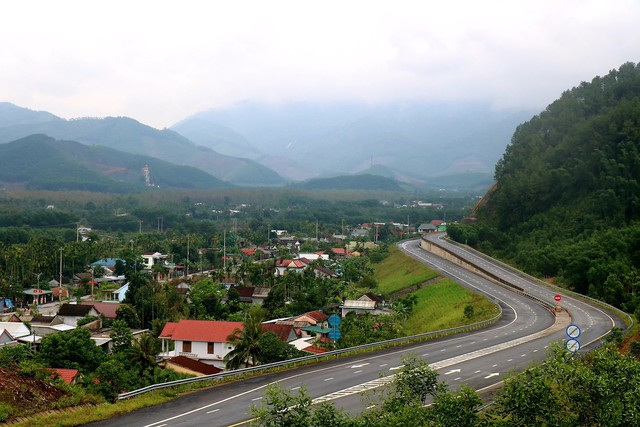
335,334
573,345
334,321
573,331
558,297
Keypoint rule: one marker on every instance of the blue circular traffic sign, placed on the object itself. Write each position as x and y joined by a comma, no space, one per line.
334,320
572,345
335,334
573,331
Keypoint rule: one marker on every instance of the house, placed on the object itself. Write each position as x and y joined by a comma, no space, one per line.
69,376
38,296
288,266
152,258
186,365
285,332
340,252
46,325
71,313
427,228
359,233
18,331
367,303
117,294
6,338
252,294
106,309
203,340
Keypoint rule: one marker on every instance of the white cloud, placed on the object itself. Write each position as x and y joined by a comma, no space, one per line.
160,61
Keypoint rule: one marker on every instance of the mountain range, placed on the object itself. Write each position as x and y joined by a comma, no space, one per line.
44,163
420,145
410,142
130,136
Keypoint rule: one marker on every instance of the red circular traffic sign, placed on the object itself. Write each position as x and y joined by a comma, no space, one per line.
557,297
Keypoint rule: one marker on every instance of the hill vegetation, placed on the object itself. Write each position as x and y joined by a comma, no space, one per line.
567,201
130,136
43,163
351,182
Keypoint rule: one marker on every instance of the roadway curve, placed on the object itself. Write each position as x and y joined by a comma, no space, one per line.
480,359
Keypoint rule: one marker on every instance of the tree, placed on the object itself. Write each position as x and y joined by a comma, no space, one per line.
73,349
121,336
143,352
128,315
246,341
274,349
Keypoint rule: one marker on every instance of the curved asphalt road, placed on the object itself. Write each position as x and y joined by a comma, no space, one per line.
480,359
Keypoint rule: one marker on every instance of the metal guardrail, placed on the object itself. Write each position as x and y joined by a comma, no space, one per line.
317,357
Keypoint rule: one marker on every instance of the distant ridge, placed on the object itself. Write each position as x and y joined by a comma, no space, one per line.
44,163
130,136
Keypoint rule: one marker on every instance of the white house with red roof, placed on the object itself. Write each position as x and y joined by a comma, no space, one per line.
286,266
203,340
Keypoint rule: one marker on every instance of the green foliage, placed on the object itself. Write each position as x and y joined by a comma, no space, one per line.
128,315
87,319
398,271
73,349
247,341
121,336
5,411
13,354
274,349
281,409
567,202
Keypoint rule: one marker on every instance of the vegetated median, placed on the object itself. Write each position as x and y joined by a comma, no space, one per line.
441,304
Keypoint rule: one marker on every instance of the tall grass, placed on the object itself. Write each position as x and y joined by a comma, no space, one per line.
441,306
399,271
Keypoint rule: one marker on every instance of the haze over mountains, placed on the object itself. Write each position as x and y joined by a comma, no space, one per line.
256,145
405,141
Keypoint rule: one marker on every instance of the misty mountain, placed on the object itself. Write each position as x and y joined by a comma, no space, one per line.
130,136
416,140
42,162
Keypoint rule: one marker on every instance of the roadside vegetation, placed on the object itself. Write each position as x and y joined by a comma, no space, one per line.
565,391
398,271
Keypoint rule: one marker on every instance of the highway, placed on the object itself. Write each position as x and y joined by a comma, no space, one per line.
481,358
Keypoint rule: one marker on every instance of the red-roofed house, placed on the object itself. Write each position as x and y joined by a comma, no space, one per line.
204,340
284,331
69,376
107,309
190,366
288,266
341,252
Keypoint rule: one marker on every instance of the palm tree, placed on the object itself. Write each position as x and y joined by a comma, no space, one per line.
246,341
144,351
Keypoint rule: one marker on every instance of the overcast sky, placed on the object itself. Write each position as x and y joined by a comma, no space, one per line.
160,61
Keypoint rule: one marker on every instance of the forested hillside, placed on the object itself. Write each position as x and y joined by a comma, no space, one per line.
567,201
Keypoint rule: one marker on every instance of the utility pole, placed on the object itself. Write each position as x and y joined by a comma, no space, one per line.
60,278
140,229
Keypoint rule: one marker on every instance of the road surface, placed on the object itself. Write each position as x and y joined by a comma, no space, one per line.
481,359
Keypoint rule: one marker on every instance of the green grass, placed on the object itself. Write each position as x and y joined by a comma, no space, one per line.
441,306
399,271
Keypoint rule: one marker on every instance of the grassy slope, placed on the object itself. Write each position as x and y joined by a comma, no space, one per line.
441,306
398,271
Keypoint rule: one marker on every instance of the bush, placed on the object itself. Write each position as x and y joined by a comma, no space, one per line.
5,412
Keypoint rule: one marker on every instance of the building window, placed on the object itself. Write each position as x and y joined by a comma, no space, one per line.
186,346
209,348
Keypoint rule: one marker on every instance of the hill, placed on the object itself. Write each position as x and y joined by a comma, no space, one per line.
41,162
130,136
351,182
413,141
567,200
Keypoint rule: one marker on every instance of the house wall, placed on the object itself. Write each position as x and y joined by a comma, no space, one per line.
199,350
